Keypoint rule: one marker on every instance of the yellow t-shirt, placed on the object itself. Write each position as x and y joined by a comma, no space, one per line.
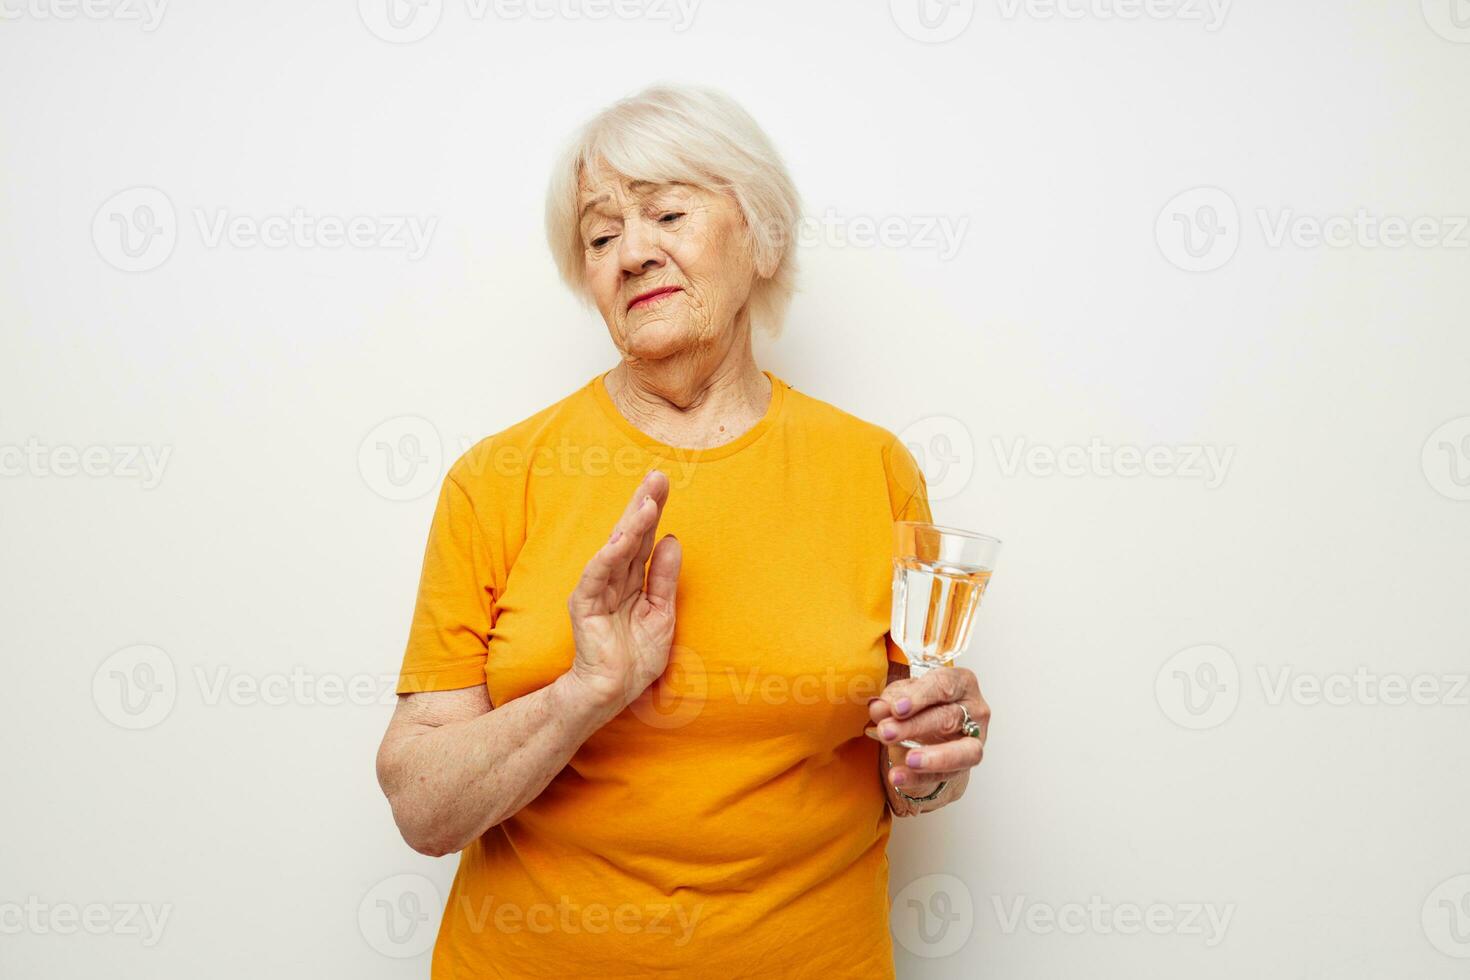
731,822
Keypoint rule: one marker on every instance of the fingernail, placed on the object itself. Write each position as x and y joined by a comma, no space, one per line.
899,779
889,732
915,760
646,500
615,535
903,706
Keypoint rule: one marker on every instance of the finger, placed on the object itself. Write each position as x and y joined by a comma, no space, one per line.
937,724
938,686
590,596
648,519
962,753
878,709
639,519
920,782
663,572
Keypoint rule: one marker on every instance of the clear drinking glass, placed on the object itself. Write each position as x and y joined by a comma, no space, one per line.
939,577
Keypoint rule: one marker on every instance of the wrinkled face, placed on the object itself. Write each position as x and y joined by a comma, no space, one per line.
641,237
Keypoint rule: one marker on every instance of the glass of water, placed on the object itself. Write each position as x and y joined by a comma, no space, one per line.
939,577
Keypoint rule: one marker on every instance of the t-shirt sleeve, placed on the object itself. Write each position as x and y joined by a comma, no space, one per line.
450,632
908,497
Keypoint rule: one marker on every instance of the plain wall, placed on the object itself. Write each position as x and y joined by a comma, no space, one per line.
198,657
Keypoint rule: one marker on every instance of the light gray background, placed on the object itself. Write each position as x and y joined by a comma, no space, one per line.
1137,630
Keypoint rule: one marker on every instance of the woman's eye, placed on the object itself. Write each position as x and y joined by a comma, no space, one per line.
601,240
671,216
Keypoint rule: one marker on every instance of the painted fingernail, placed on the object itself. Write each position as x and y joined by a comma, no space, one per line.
615,535
889,732
915,760
903,706
899,779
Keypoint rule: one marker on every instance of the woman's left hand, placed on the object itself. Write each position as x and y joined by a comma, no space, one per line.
927,709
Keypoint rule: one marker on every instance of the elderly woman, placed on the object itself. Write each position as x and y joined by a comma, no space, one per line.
651,627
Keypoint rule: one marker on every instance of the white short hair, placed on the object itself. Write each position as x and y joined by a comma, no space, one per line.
693,135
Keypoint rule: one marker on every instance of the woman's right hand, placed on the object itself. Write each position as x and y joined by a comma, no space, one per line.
623,626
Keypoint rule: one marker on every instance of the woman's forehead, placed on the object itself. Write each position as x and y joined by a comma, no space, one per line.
600,182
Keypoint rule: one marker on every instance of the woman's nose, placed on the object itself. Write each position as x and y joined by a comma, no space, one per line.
639,249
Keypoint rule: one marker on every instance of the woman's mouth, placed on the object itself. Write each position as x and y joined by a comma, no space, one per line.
653,296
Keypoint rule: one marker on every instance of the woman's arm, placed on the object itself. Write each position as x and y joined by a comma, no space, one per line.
452,768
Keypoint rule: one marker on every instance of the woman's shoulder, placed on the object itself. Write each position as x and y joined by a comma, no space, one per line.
507,453
859,438
831,421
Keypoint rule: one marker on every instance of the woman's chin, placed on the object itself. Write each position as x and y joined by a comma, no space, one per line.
657,339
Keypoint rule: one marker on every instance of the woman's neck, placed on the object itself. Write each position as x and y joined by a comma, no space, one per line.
690,403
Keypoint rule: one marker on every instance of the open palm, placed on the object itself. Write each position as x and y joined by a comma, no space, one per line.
622,619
